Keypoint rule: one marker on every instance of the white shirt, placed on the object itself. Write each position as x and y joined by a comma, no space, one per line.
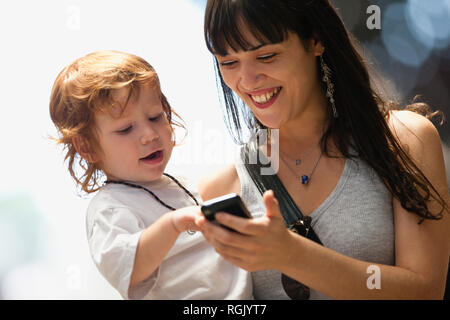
116,217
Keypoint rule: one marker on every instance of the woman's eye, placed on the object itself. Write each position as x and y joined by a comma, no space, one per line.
266,57
227,63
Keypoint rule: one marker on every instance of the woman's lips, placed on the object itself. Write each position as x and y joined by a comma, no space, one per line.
265,98
153,158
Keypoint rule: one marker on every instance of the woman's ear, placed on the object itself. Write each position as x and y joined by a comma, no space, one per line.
317,46
83,148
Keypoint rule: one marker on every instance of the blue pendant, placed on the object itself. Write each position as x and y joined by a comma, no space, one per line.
305,179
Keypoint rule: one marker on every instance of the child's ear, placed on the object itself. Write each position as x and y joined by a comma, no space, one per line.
173,137
83,148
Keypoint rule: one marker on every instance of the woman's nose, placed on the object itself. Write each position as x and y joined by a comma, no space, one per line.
251,77
149,134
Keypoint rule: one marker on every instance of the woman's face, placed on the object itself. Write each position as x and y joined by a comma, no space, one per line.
278,82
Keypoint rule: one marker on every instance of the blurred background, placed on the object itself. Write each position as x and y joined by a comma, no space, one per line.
43,247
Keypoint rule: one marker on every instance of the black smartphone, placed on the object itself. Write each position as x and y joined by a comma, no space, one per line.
230,203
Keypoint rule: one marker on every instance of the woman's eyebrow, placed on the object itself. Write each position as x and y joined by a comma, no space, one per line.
257,47
249,49
246,50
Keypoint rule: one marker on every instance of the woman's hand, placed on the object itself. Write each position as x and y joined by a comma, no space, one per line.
261,243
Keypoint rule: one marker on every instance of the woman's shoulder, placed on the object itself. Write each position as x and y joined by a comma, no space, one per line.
410,119
414,132
420,139
221,182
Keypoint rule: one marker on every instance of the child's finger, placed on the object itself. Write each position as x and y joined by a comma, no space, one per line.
200,221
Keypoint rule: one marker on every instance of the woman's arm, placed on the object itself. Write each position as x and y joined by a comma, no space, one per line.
158,239
223,182
422,251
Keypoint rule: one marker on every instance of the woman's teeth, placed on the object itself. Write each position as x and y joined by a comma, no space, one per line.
263,98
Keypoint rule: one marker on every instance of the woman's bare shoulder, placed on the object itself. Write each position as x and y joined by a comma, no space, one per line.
414,132
219,183
420,139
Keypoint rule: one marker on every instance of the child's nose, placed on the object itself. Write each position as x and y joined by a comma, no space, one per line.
149,134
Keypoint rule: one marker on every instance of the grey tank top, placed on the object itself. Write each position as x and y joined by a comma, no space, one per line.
356,220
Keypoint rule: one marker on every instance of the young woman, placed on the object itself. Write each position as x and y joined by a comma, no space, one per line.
371,179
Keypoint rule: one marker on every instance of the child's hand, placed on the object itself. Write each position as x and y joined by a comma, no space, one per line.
184,219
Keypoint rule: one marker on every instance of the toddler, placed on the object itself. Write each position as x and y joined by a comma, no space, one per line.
114,121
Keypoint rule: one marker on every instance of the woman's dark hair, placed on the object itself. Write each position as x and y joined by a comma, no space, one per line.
363,113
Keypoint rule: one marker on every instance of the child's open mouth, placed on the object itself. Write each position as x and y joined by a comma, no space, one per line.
153,158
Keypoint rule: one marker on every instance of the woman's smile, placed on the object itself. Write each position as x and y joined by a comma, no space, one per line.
264,98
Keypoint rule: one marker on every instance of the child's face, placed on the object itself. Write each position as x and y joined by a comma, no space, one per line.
137,144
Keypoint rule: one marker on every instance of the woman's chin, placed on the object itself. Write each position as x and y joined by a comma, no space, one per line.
270,123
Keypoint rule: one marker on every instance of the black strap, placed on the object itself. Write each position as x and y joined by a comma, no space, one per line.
292,215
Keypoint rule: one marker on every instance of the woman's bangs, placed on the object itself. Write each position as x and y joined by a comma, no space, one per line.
225,31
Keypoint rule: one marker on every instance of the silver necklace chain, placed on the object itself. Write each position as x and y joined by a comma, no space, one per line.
298,160
304,178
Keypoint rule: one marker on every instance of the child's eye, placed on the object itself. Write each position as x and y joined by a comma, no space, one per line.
126,130
266,57
158,117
